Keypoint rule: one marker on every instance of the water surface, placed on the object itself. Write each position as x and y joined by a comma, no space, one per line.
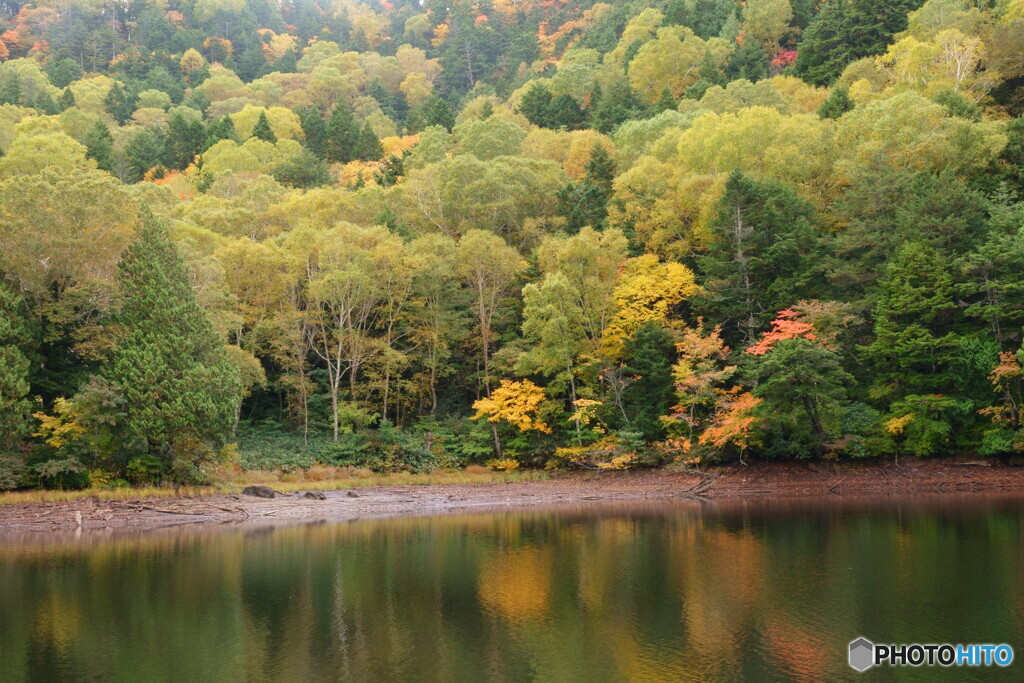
597,593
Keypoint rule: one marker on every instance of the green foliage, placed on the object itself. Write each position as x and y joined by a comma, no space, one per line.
394,296
262,129
171,367
649,354
837,104
802,385
65,474
342,134
14,372
586,202
845,31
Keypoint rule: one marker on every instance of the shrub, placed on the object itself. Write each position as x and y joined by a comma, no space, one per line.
66,474
12,472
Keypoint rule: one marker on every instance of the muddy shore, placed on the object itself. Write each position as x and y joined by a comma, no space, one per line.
737,482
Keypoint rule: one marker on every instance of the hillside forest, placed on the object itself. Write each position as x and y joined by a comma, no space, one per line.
568,234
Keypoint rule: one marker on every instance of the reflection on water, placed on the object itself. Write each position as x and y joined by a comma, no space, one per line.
626,592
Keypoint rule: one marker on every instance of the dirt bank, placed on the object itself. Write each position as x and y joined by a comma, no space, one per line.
762,480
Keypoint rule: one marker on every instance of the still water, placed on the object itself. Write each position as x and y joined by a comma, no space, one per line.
654,592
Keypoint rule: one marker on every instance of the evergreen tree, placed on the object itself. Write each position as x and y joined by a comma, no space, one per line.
837,104
486,111
44,104
171,366
66,100
709,16
536,106
262,129
391,170
183,142
586,202
437,112
649,353
565,113
803,388
342,134
620,103
847,30
314,129
914,346
761,257
220,129
14,368
677,13
119,104
666,101
10,89
62,72
99,145
748,61
305,170
143,151
287,63
369,147
379,92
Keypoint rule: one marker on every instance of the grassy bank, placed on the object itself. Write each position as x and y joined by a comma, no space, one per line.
321,478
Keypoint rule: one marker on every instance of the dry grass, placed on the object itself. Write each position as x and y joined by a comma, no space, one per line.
42,496
319,477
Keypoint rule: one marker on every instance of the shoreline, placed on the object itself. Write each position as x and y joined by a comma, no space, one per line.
758,481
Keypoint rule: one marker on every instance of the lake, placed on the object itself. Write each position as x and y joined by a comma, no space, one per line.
627,592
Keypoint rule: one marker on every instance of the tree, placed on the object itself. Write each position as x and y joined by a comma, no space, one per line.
586,202
183,142
802,386
490,268
536,105
342,134
119,104
515,403
368,148
171,367
914,346
15,405
314,130
99,146
845,31
761,255
837,104
648,356
219,129
262,129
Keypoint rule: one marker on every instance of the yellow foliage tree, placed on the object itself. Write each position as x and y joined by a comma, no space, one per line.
647,292
515,403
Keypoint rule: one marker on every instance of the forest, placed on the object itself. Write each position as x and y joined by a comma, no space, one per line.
562,234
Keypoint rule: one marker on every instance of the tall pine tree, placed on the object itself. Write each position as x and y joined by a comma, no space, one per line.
171,366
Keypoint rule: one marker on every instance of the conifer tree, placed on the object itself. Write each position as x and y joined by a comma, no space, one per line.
14,367
119,104
66,100
314,128
369,147
262,129
220,129
171,367
837,104
99,145
342,134
666,101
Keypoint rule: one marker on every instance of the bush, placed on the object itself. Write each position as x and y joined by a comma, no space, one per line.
66,474
145,469
12,472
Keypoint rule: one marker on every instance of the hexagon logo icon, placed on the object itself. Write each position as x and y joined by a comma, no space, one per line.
862,654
